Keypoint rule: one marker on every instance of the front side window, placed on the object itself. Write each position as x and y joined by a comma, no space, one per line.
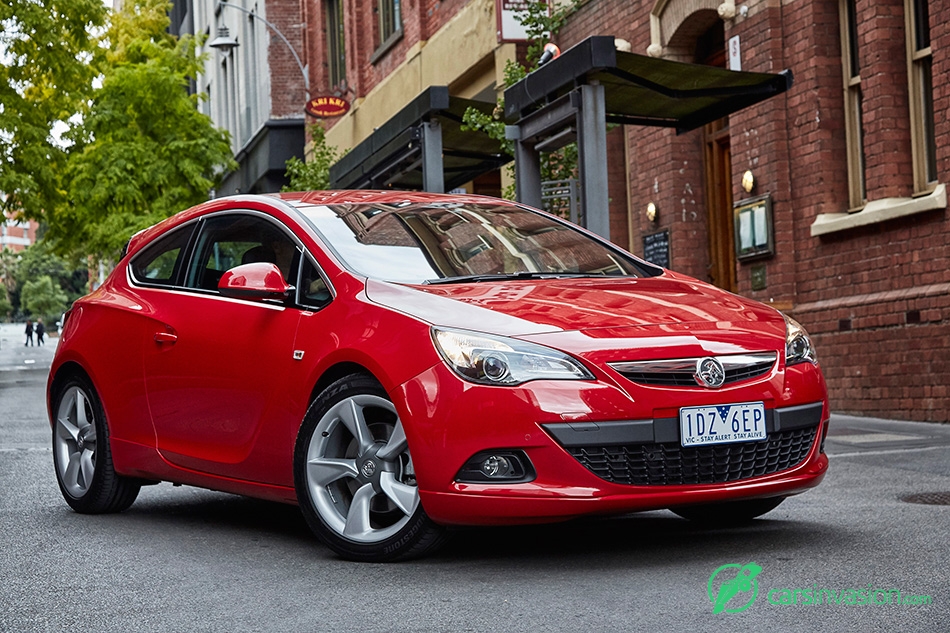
227,241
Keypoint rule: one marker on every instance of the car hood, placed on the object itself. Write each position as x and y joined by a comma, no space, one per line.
587,315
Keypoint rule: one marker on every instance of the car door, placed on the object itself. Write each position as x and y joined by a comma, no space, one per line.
218,370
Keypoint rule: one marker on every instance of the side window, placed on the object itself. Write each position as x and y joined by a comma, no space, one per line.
231,240
161,262
313,291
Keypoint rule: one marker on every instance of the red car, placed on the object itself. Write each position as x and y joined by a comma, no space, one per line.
397,363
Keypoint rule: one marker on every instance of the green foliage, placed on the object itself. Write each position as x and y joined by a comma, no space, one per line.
541,22
39,261
43,298
313,175
6,307
17,270
144,150
51,58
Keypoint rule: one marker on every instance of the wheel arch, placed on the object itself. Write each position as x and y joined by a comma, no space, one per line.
69,369
336,372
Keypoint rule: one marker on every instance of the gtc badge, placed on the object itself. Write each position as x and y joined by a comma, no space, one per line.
709,373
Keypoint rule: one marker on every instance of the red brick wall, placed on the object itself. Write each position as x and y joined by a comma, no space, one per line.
876,299
288,92
420,20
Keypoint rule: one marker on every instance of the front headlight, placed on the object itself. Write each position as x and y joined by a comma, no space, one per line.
496,360
798,345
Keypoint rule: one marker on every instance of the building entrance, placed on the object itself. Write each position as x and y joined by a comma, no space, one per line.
711,51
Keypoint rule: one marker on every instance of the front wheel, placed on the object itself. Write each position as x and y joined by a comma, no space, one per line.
730,512
81,452
354,476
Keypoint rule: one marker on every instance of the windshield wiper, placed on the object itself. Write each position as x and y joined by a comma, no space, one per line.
525,274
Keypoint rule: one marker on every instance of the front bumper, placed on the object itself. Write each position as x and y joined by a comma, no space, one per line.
604,448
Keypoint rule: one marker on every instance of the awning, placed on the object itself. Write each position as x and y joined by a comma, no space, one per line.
641,90
406,151
574,97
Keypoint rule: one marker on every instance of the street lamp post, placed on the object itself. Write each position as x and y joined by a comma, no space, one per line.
225,43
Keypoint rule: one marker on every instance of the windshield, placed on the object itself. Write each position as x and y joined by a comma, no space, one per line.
446,242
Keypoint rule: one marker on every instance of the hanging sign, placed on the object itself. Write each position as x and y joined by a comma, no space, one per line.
328,106
508,15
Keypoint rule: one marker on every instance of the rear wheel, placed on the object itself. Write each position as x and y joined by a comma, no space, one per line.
728,513
354,476
81,452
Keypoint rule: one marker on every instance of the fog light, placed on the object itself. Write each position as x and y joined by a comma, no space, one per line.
504,466
496,466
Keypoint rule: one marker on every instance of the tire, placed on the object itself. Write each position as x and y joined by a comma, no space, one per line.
354,477
729,513
81,453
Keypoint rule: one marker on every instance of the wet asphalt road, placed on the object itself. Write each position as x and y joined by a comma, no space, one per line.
184,559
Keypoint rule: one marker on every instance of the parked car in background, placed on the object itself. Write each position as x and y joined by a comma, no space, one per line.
398,363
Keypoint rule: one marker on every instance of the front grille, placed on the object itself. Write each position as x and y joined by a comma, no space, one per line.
670,464
681,372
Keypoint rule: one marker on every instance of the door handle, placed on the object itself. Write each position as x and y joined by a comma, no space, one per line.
165,337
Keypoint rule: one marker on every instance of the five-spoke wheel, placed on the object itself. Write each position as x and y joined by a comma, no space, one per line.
354,475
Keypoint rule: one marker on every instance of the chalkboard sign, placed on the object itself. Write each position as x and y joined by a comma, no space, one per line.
656,248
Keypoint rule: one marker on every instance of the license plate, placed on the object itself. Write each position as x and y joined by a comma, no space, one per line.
722,424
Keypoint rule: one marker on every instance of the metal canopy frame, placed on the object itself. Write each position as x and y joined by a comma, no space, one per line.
423,146
575,95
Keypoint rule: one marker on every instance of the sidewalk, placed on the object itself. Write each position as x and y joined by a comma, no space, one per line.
15,356
853,435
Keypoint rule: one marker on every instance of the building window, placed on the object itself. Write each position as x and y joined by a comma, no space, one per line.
336,49
852,104
920,78
390,22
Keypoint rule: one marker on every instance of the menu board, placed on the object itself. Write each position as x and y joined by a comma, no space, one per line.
656,248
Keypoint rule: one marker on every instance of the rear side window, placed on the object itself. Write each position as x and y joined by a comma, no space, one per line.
161,262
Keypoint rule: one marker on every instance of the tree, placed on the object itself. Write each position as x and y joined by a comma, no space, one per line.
144,150
38,261
313,175
48,60
5,306
42,298
9,262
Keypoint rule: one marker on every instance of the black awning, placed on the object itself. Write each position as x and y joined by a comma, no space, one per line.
642,90
391,157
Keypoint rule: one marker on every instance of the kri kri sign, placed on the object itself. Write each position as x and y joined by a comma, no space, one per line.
328,106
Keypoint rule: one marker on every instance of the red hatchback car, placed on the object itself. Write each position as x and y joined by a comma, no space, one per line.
396,363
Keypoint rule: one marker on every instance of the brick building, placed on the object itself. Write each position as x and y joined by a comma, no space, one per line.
255,80
838,184
15,234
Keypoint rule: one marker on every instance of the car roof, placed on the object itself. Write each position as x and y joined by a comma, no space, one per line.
298,199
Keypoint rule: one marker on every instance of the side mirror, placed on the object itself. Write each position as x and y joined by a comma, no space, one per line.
255,281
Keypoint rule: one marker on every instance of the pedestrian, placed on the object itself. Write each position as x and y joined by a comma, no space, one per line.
29,333
40,331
